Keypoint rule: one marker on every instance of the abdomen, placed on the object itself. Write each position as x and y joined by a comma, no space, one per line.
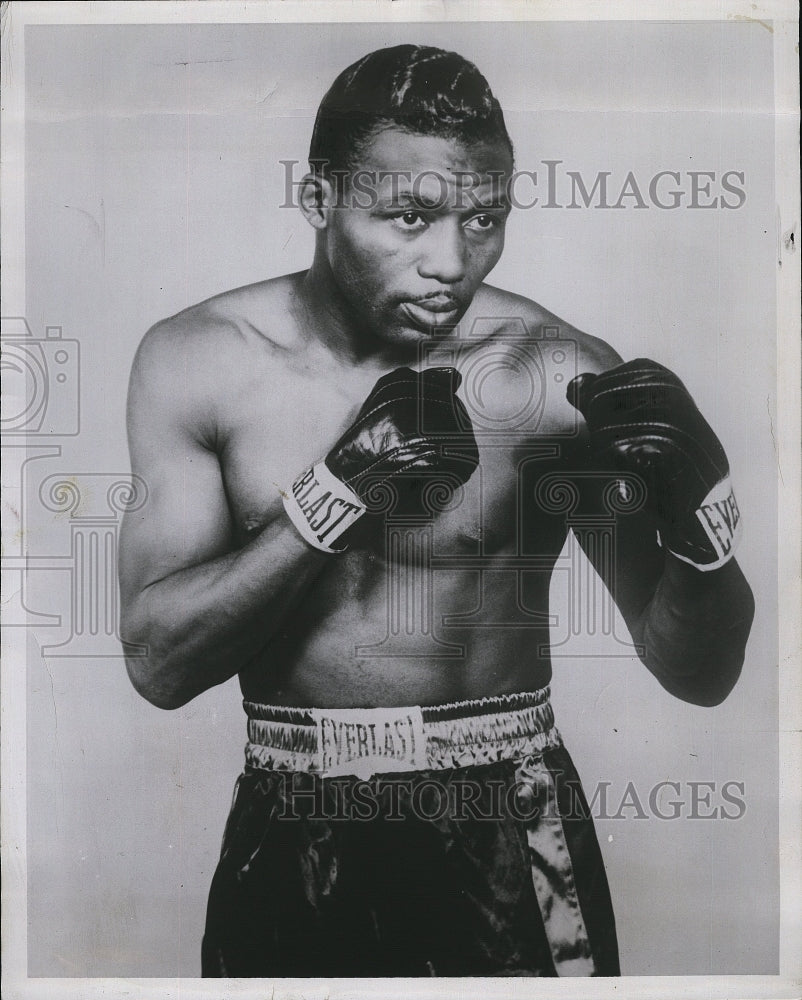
418,630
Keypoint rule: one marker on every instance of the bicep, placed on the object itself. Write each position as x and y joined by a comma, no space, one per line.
185,519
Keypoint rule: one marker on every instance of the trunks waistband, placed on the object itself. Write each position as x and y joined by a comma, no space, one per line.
368,741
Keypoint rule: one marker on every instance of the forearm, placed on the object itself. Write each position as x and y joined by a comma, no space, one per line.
201,625
694,630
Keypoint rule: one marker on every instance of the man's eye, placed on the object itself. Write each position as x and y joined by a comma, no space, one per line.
410,220
482,223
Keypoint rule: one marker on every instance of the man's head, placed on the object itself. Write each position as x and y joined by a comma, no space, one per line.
410,157
415,88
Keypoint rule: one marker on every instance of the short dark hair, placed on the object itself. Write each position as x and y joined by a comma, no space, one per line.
418,88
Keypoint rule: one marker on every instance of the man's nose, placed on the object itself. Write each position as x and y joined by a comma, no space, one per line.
444,256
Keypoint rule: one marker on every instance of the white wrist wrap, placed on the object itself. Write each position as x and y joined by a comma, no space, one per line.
321,507
721,521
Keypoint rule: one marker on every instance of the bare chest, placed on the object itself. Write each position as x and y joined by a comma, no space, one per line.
271,438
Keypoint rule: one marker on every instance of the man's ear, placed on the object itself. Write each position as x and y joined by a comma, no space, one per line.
316,198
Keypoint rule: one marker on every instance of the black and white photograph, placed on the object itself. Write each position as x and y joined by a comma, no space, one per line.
400,499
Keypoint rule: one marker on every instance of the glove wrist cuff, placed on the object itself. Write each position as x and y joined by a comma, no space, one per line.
321,507
720,521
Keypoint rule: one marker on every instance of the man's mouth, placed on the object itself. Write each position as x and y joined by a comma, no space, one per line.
436,310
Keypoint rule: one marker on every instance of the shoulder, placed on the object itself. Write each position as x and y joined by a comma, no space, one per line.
559,351
515,313
189,365
498,316
232,320
219,338
177,364
172,380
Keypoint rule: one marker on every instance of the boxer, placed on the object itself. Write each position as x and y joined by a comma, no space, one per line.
352,473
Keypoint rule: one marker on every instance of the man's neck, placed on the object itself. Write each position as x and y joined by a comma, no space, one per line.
327,317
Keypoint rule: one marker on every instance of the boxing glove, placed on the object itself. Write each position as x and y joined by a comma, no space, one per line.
642,419
396,441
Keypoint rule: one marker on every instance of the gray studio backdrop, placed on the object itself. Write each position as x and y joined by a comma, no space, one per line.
153,181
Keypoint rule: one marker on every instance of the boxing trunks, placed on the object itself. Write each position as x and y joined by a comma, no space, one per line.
452,840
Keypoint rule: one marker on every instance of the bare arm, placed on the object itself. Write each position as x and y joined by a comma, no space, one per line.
201,609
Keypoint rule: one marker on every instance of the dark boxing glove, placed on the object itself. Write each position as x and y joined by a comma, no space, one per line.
389,443
643,419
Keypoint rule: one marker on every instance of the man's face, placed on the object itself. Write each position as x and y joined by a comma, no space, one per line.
420,226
